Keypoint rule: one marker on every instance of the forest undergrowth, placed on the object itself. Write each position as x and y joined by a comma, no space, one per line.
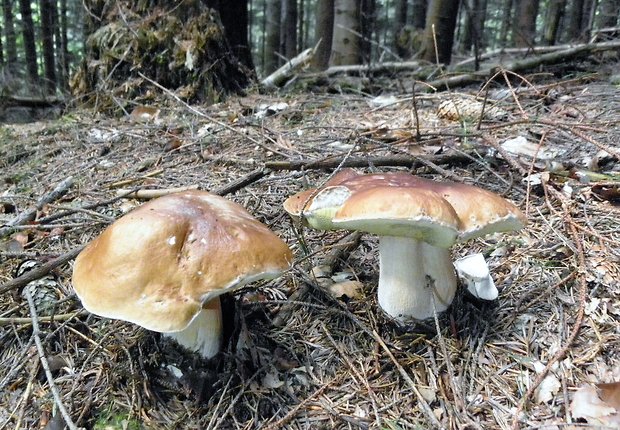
299,355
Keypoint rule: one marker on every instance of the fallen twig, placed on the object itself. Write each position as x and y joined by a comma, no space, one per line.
241,182
46,319
152,194
48,374
60,190
387,160
41,271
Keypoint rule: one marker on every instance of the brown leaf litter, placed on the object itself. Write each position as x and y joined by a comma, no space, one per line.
296,356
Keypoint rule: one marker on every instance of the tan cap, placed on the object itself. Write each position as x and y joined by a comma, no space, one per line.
158,265
480,212
404,212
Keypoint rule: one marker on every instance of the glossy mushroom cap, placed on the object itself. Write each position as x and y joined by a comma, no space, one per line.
158,265
479,211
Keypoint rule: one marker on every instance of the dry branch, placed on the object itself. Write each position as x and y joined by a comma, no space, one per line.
60,190
524,64
48,374
152,194
283,73
412,161
41,271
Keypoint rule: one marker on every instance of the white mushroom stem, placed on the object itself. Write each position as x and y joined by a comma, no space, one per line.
204,333
410,271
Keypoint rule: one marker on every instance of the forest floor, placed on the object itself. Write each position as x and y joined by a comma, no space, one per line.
297,356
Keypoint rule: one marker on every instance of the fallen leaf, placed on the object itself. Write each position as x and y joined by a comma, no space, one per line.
350,289
610,394
598,404
272,380
21,238
144,114
549,386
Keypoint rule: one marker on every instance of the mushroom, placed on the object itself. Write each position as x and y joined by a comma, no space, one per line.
417,221
164,265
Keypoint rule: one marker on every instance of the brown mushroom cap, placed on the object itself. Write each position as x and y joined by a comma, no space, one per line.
159,264
480,211
403,212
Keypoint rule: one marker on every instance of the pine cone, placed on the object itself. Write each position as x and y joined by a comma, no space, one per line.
44,291
468,110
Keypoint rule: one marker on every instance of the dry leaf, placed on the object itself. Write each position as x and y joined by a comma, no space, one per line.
173,143
272,379
144,114
21,238
57,232
549,386
598,404
350,289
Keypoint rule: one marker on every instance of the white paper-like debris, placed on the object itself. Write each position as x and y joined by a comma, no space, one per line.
272,380
521,146
205,130
547,389
474,272
533,179
106,164
189,60
176,372
350,289
96,135
383,101
265,110
341,146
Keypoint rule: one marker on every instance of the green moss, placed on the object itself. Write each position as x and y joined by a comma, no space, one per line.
116,421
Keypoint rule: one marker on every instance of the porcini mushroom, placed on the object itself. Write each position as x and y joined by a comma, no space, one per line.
417,221
164,265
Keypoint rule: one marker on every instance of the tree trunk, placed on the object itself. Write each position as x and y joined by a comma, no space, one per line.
400,21
589,11
524,30
301,25
30,49
575,20
506,19
554,17
346,41
61,45
1,54
440,26
234,16
367,27
47,42
468,30
272,37
9,33
418,14
608,13
288,25
324,30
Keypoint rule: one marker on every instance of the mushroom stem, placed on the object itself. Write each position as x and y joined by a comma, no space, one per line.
204,333
410,270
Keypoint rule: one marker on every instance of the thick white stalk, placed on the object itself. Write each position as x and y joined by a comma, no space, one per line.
204,333
410,271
